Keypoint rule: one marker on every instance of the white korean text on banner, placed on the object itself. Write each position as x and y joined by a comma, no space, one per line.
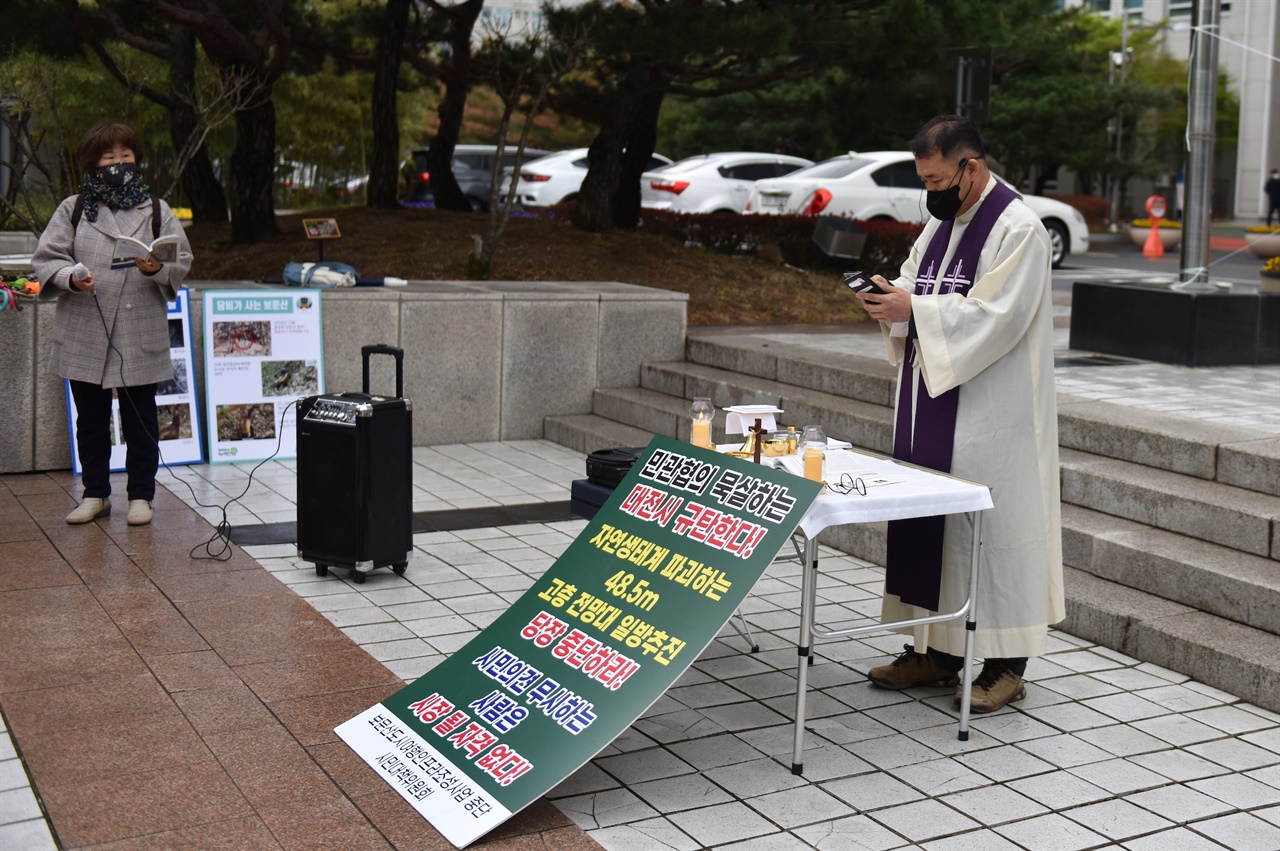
176,408
263,350
590,646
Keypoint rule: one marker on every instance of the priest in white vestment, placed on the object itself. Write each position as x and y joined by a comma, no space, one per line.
994,343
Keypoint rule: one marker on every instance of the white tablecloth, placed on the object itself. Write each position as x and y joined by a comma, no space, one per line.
894,492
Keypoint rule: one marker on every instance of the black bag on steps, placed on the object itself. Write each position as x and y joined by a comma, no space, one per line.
610,466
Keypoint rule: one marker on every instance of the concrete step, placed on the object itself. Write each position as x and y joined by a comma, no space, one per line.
648,410
1218,652
1210,511
1215,579
851,376
586,433
1231,455
866,425
1228,454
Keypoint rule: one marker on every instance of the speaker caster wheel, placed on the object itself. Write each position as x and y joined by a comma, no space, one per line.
357,576
322,570
399,568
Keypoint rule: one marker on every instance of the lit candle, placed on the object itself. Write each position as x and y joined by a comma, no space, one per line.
701,435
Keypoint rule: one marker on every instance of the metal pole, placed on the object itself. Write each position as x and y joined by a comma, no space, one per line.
1202,113
1120,59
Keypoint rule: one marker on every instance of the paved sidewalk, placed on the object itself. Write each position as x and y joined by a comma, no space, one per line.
1105,752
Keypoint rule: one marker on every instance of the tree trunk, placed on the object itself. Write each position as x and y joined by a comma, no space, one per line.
252,181
457,84
384,169
641,139
594,210
200,182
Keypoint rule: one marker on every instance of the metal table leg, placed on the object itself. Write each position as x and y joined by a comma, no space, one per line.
804,646
809,631
970,625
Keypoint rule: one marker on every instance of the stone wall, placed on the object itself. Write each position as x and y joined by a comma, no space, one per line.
483,360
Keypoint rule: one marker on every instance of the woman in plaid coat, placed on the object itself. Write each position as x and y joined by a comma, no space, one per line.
111,328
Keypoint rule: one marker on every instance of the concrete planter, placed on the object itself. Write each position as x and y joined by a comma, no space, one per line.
1169,237
1270,283
1263,245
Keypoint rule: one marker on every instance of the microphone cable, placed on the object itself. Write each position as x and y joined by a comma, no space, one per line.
218,547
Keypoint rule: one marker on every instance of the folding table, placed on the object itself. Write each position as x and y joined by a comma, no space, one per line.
898,491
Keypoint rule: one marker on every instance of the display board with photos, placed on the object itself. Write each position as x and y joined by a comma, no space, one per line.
176,406
263,351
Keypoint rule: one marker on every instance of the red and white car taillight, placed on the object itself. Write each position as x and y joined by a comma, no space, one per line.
675,187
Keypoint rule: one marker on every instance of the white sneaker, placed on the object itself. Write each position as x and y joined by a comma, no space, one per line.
89,508
140,512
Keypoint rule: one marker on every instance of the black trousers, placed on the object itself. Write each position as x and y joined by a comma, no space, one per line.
93,438
948,662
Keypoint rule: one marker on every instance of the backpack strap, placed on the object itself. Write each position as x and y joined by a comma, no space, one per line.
78,211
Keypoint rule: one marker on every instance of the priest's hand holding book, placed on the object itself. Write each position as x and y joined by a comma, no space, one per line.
893,304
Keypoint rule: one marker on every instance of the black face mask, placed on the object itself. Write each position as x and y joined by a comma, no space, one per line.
945,203
118,174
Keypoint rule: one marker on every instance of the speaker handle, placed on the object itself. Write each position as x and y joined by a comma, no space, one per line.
384,349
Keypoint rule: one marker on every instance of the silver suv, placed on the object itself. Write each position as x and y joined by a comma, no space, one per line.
472,168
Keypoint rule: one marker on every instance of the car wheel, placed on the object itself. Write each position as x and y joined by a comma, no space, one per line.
477,206
1059,240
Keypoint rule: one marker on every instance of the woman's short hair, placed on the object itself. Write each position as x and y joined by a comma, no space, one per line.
102,138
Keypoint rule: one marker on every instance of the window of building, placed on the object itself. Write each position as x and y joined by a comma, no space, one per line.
1184,8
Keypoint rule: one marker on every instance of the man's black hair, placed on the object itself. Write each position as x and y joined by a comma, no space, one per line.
950,136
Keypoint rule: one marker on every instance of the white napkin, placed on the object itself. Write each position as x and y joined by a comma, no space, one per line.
740,418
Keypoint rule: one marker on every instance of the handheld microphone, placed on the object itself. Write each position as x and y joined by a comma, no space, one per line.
81,271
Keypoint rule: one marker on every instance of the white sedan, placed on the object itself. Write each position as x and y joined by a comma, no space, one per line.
712,183
883,185
556,178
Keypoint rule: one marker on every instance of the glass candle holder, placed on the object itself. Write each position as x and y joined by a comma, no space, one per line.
701,412
813,449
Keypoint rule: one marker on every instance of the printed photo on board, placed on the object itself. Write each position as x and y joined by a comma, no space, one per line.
241,339
176,337
176,386
175,422
289,378
247,422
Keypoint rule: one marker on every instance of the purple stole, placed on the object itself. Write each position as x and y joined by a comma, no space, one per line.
913,568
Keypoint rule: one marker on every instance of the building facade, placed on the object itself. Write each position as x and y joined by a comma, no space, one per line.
1249,52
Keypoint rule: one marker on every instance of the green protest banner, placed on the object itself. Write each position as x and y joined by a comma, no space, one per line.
590,646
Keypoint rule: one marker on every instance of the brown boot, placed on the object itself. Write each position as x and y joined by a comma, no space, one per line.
994,687
912,669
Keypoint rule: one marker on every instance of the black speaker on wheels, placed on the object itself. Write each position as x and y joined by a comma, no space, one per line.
355,477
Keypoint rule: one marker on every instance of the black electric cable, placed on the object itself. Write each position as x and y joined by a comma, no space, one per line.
221,537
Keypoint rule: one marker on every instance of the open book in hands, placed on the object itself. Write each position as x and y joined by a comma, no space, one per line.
164,249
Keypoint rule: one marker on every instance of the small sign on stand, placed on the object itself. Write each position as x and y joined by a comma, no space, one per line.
321,230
